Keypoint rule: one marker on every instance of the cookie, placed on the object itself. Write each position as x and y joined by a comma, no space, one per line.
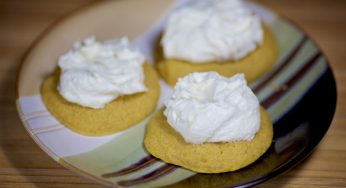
163,142
117,115
253,65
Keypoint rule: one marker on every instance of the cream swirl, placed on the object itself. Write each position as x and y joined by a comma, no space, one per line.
93,74
211,30
207,107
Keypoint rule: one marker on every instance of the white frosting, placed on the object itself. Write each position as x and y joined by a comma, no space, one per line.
207,107
93,74
212,30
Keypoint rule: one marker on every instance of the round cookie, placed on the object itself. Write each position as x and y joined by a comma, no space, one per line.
163,142
120,114
253,65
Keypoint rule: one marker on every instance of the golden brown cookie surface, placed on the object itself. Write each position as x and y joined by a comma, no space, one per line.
118,115
163,142
253,65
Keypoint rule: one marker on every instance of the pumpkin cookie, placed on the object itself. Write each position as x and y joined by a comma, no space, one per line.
119,114
252,65
163,142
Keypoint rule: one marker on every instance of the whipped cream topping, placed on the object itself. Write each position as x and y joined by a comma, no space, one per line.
211,30
93,73
207,107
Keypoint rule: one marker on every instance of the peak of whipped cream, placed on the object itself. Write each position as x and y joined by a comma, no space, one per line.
93,74
211,30
207,107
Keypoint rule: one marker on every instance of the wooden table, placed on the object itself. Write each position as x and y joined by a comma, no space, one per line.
24,164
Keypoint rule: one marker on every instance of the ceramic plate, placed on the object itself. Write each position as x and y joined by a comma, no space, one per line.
298,92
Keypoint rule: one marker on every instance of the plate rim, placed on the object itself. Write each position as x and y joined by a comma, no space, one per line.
284,167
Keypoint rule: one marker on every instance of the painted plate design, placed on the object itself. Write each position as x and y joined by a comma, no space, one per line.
299,93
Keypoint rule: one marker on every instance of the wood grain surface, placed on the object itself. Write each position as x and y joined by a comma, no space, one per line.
24,164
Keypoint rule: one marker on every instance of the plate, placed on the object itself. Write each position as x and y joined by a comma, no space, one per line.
299,93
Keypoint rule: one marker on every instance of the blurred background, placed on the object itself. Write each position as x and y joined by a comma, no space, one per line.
24,164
